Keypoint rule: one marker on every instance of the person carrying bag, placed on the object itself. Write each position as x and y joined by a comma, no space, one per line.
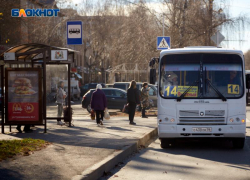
99,104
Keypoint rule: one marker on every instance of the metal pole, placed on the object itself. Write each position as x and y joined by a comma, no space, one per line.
3,94
69,95
147,76
163,24
44,93
105,77
217,39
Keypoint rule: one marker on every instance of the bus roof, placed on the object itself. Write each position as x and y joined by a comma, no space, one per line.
201,49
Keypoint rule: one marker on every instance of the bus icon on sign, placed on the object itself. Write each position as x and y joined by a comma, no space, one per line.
77,31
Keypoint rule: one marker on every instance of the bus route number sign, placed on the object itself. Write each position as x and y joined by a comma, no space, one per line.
177,91
233,89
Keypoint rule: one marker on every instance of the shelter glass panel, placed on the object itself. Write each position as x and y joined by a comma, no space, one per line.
57,89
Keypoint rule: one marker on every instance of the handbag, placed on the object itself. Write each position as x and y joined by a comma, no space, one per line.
106,114
67,113
125,109
92,115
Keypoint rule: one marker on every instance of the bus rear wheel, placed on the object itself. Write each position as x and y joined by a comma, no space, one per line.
166,143
238,143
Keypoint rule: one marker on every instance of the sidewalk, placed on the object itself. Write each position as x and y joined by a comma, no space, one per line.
74,149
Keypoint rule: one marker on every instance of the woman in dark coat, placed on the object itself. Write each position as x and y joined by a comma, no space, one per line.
99,104
133,100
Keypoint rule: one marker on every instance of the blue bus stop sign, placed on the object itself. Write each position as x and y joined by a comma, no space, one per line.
74,32
163,42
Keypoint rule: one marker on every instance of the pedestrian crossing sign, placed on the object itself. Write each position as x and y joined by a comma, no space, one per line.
163,42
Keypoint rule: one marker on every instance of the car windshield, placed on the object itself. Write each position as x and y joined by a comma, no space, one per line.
120,86
206,73
92,86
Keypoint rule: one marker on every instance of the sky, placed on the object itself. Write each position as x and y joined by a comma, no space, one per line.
236,8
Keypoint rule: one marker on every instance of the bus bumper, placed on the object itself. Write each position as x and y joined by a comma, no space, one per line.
218,131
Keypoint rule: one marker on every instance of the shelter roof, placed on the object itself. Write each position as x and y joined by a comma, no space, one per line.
31,50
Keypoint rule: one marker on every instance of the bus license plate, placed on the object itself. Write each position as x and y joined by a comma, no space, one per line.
202,129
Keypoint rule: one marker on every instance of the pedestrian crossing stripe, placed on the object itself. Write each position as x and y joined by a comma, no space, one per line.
163,44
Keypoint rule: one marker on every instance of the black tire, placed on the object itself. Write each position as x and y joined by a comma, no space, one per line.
166,143
238,143
89,108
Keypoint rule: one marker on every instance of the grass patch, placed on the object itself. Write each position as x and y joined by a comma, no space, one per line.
10,148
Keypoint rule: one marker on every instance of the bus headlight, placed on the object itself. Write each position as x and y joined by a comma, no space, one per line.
236,120
172,120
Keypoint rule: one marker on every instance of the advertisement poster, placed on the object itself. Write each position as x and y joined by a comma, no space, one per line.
23,95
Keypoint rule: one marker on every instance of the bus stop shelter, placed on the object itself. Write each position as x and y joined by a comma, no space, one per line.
23,83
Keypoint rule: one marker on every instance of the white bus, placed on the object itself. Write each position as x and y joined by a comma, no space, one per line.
201,95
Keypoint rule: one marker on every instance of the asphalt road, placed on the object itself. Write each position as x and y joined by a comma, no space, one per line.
196,160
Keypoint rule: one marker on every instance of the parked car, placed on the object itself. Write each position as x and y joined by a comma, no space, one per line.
125,85
89,86
116,98
152,91
109,85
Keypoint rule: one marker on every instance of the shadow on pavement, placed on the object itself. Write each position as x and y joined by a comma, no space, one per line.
83,137
119,129
8,174
213,150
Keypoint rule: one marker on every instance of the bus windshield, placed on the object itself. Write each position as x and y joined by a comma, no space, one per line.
201,75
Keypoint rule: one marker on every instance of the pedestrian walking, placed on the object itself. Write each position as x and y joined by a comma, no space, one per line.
132,100
144,99
99,104
60,99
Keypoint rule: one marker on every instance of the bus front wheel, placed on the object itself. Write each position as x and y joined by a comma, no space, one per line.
238,143
165,143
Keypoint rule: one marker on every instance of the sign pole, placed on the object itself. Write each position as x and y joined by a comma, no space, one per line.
217,39
44,93
3,100
163,24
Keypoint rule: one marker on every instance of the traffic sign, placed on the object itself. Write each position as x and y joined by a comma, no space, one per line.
217,38
74,32
163,42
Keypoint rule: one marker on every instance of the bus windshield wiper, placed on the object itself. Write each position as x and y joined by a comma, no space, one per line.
190,87
216,90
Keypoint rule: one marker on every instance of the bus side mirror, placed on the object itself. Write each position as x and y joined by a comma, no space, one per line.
248,81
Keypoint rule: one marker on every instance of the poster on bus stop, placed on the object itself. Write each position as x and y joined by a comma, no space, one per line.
23,91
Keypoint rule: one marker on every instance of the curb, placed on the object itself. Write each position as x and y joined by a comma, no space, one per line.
96,171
